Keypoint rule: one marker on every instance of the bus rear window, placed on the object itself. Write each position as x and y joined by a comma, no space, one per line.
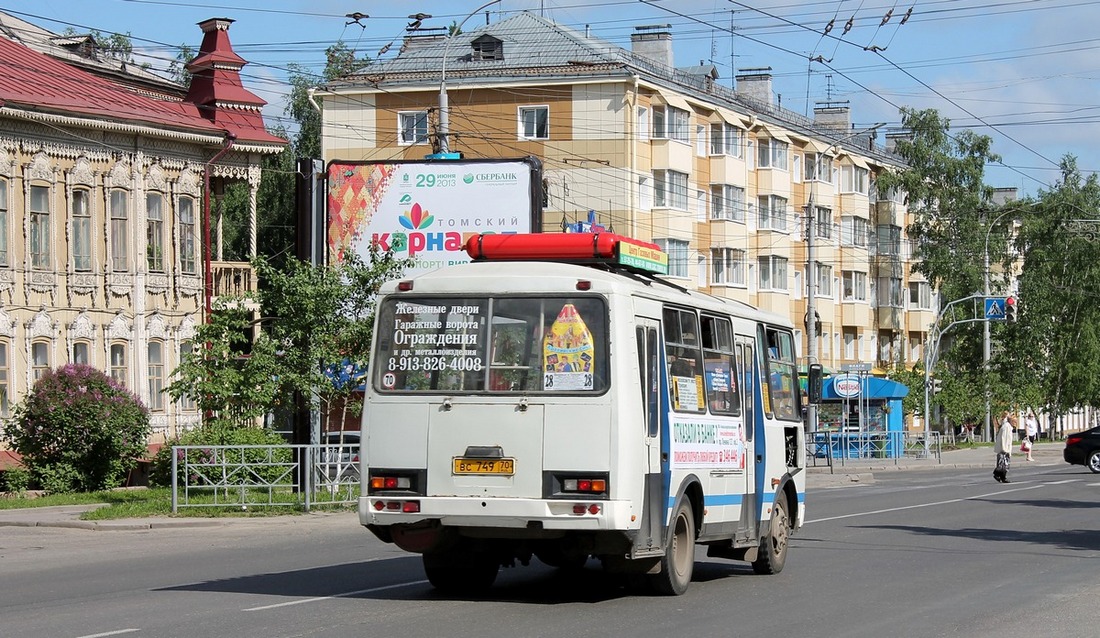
492,344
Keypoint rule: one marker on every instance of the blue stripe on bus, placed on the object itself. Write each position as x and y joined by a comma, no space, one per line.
715,500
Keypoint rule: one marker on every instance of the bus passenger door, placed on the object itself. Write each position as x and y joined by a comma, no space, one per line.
746,367
649,368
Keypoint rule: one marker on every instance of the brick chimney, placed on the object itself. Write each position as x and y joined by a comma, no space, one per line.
653,41
756,84
833,115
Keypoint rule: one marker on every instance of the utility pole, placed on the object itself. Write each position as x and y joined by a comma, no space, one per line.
444,102
987,429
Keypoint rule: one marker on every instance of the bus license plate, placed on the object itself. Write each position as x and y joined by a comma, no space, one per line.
485,466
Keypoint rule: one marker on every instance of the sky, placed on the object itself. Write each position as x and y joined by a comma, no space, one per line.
1024,72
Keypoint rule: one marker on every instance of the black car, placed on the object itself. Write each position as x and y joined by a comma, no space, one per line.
1083,448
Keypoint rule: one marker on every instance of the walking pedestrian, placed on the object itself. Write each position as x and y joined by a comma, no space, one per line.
1031,431
1002,446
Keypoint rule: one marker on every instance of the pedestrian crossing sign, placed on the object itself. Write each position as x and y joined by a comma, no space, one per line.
995,308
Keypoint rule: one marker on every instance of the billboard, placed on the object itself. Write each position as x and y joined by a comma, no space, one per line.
425,209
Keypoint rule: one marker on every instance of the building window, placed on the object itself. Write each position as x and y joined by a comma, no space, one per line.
82,231
889,292
534,122
726,140
728,266
118,370
120,229
854,231
670,189
818,167
824,222
40,227
677,250
727,202
771,153
854,179
670,123
855,285
4,405
849,344
40,359
187,235
154,232
700,140
773,273
186,402
889,240
920,295
79,353
824,280
772,213
156,375
413,127
3,222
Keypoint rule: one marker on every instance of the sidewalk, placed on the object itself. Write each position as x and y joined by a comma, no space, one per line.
851,472
862,471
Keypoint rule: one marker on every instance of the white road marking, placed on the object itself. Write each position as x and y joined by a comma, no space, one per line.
110,633
343,595
1063,482
911,507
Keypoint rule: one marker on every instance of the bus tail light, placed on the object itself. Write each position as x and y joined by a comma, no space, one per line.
390,483
581,509
380,481
585,485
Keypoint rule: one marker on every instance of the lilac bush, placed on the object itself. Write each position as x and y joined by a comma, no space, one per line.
79,430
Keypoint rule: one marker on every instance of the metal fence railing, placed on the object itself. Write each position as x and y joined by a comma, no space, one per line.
841,448
244,476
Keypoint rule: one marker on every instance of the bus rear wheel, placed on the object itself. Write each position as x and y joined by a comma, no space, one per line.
453,572
678,563
773,547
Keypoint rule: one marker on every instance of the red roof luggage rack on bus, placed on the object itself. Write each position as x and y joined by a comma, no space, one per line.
576,248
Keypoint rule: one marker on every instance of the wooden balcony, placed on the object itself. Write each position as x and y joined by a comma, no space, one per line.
233,278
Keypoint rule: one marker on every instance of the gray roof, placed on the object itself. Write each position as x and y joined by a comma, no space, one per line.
537,47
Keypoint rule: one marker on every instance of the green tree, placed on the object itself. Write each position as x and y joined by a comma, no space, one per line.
322,317
952,208
311,316
177,68
340,60
231,376
1055,343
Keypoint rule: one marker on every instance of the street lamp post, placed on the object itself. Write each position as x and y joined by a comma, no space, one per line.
444,103
987,426
811,271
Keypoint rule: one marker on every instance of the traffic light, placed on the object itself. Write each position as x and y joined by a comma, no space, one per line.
1011,306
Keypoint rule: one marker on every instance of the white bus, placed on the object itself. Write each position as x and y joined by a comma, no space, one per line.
519,406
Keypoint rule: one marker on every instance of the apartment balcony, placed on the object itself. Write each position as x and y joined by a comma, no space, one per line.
890,318
919,319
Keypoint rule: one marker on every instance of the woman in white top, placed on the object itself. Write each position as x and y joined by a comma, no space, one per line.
1002,446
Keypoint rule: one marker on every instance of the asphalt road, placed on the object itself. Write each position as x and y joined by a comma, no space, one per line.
921,553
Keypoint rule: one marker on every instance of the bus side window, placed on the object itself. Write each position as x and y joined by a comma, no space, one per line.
719,366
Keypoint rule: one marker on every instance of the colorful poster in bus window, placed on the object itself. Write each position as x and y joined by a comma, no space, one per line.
568,354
